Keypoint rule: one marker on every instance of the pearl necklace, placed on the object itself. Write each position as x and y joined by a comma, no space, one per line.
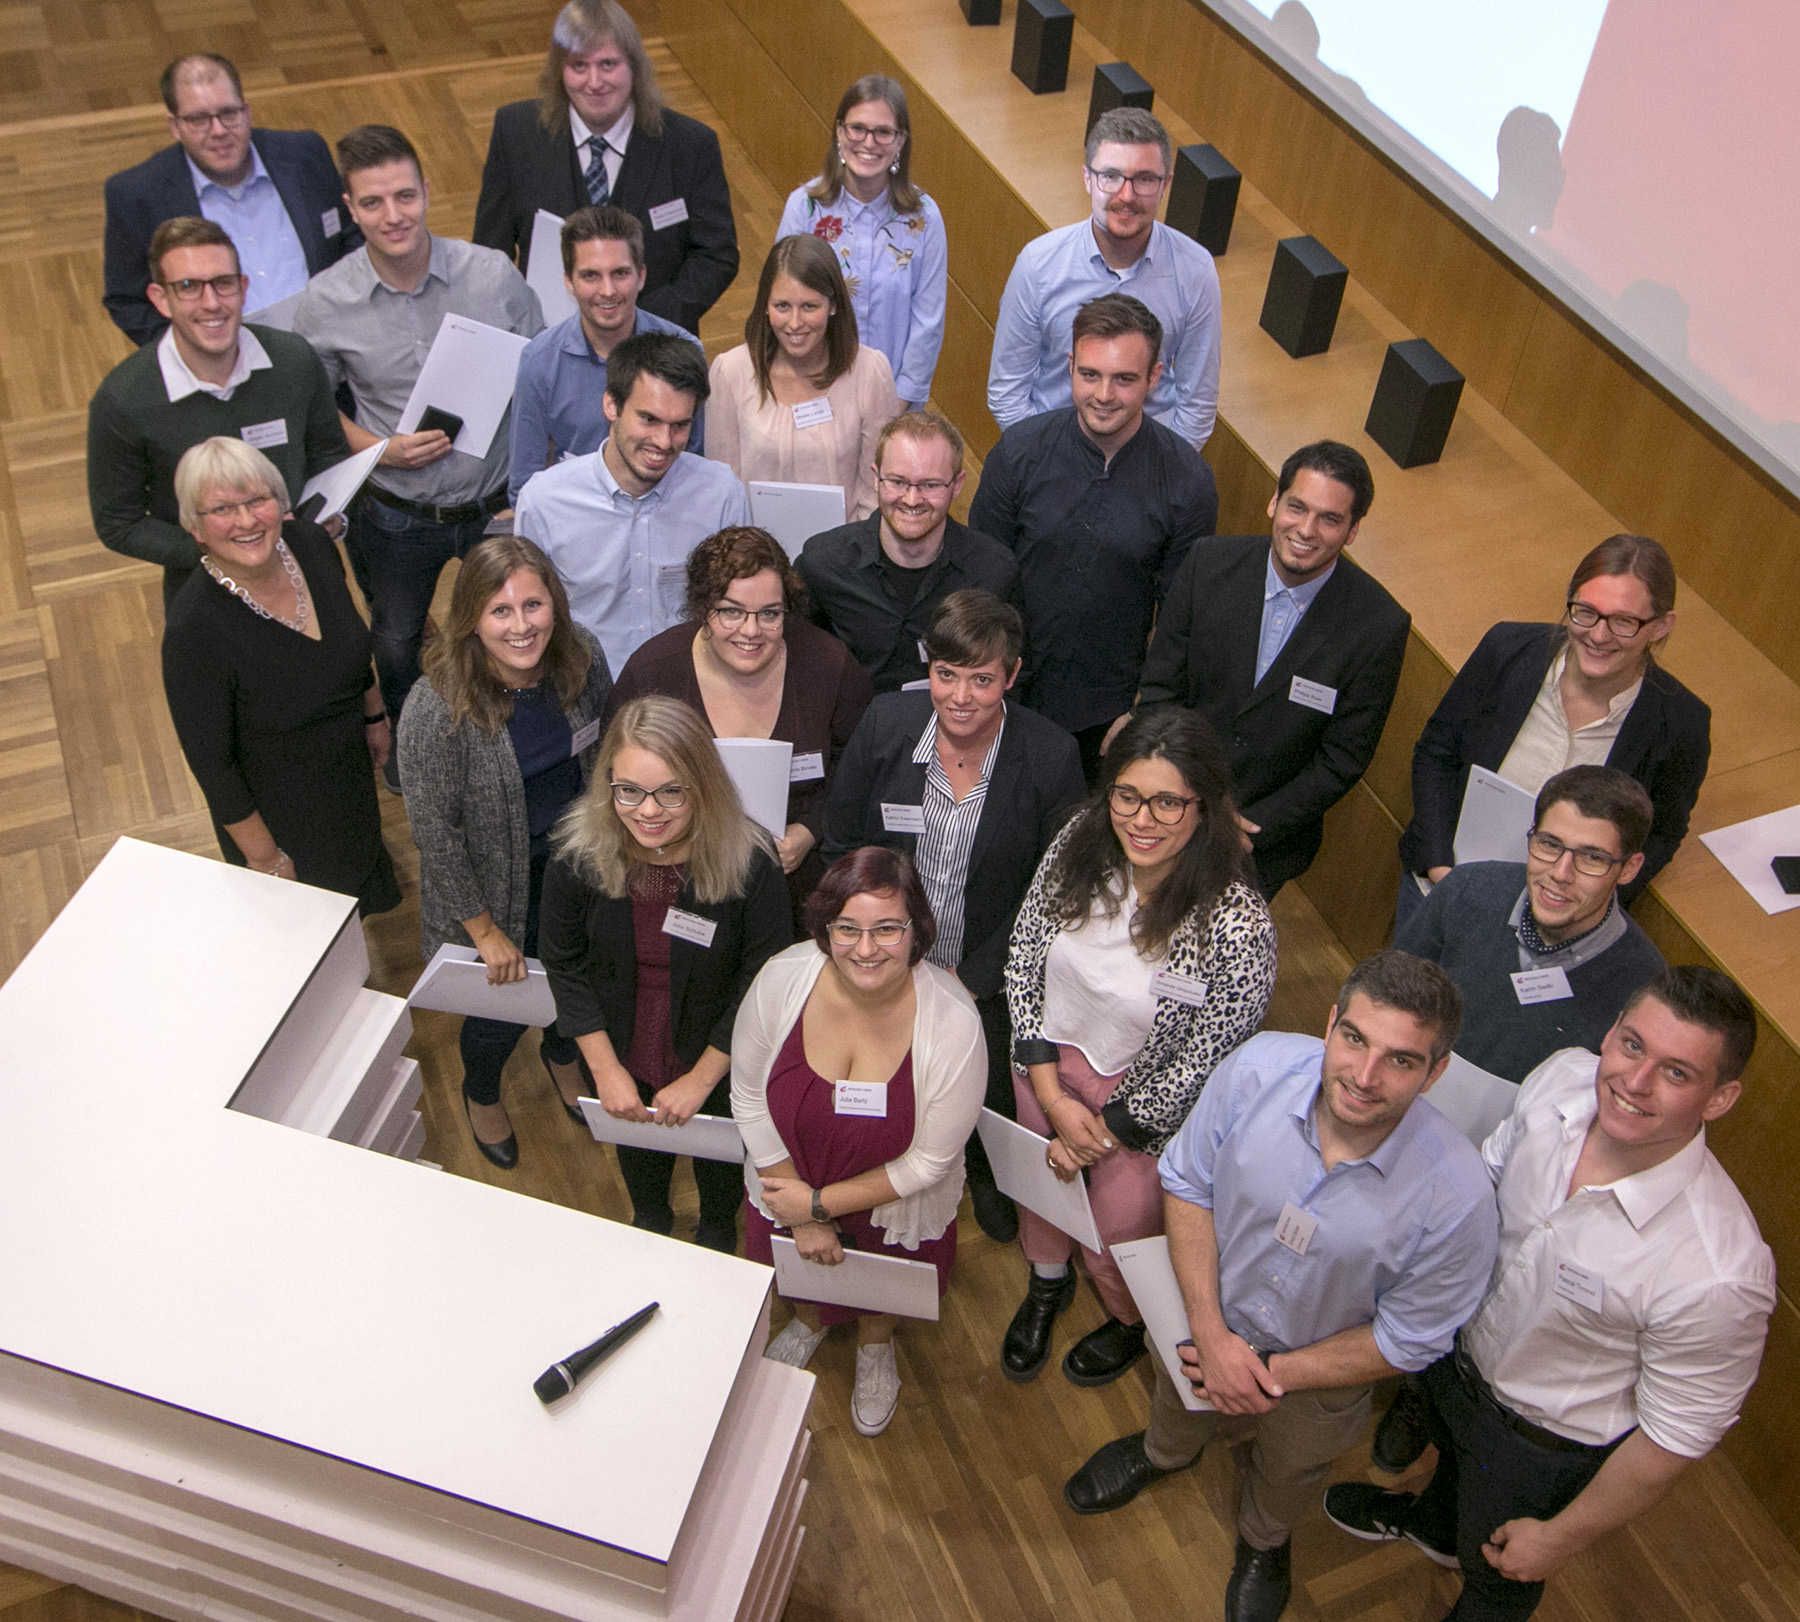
298,623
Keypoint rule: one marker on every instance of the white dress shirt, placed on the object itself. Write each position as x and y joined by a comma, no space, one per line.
615,138
178,377
1644,1302
1546,744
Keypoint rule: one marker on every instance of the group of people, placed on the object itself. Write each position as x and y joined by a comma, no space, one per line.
1049,770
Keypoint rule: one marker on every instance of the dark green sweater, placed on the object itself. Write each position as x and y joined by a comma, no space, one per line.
136,436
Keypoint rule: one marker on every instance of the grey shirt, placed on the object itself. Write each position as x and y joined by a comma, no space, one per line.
376,338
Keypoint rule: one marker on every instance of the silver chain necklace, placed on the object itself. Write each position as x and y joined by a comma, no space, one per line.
298,623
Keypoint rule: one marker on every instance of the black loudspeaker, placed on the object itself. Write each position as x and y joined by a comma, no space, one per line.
1041,40
981,13
1203,198
1306,286
1118,84
1415,403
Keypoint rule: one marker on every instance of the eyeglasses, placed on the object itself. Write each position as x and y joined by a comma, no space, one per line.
190,289
845,933
897,487
671,796
227,118
878,135
1623,626
1595,863
1110,180
1168,809
730,617
256,507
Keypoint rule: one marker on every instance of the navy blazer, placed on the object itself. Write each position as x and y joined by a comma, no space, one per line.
161,188
688,263
1289,763
1664,744
1036,783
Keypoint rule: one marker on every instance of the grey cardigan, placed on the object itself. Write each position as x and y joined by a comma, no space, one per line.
465,798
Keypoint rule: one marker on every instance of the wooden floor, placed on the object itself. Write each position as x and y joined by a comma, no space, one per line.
956,1512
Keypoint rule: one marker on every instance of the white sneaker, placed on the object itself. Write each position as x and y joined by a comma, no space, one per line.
795,1344
877,1392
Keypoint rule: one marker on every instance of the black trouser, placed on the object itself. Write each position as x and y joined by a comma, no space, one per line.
1088,741
648,1173
1487,1475
996,1025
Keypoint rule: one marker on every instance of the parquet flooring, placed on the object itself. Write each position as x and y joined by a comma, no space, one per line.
955,1513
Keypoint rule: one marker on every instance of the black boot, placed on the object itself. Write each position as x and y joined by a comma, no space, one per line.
994,1212
1260,1584
1027,1345
1103,1354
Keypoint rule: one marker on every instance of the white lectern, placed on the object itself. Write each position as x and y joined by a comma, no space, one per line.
249,1371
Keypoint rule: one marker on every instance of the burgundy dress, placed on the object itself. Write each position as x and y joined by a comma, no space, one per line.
830,1148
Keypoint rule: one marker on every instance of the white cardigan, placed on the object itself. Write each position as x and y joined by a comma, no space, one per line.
949,1059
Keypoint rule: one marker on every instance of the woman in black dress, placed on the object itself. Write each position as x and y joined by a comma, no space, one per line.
266,665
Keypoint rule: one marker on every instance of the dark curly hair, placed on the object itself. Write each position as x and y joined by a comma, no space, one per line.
736,553
873,869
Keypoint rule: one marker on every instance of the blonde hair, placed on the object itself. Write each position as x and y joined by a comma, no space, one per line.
580,26
223,463
722,841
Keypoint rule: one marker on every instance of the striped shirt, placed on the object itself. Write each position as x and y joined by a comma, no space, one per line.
942,854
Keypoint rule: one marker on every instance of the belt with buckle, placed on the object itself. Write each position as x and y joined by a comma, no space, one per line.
466,513
1478,1388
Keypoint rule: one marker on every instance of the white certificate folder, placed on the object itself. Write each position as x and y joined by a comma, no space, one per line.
1496,819
861,1281
1151,1279
470,373
455,982
794,513
1021,1173
705,1137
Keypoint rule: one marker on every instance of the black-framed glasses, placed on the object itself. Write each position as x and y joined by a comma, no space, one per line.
730,617
892,484
1145,184
255,507
671,796
1623,626
1595,863
886,933
191,289
1167,809
228,118
875,134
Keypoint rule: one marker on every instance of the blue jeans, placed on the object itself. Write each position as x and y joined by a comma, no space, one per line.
398,558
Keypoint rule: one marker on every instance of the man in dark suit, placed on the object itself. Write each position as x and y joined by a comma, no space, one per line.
599,133
1290,651
973,788
276,193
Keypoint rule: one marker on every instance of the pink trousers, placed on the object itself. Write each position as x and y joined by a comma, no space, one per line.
1123,1188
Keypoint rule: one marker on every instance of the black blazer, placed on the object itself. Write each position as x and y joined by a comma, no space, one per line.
160,188
1665,744
1290,763
688,264
588,949
1037,780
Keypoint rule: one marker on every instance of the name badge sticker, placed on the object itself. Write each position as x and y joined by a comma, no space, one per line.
334,226
1314,695
807,768
670,213
1582,1285
1541,985
685,926
263,435
811,413
902,819
860,1098
1182,988
1295,1229
586,738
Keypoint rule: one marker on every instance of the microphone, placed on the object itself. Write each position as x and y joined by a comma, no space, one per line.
561,1378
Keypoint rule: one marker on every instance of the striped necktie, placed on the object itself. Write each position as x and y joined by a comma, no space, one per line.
599,189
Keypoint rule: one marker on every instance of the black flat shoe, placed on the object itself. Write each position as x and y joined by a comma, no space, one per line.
1260,1584
1103,1354
722,1237
1026,1348
1114,1476
1403,1432
504,1154
662,1221
995,1214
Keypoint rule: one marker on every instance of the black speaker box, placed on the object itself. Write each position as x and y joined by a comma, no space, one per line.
1306,286
1415,403
981,13
1118,84
1203,198
1041,39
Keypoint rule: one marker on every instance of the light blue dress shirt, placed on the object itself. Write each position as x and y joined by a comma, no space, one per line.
1406,1238
898,270
253,215
1059,272
1284,606
557,396
623,559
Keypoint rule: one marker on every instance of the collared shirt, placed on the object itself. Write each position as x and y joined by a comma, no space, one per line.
615,141
1537,953
1405,1238
1058,273
178,377
943,851
377,338
897,267
1660,1324
253,215
1284,606
623,558
1546,744
556,398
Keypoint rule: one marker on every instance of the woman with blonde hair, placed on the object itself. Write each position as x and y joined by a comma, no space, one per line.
888,235
660,906
801,400
495,744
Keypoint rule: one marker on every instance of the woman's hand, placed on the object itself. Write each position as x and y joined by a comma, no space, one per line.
1061,1162
379,736
505,962
282,867
817,1242
788,1200
677,1103
792,847
618,1093
1082,1134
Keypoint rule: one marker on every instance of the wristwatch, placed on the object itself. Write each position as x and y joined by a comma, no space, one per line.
819,1213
